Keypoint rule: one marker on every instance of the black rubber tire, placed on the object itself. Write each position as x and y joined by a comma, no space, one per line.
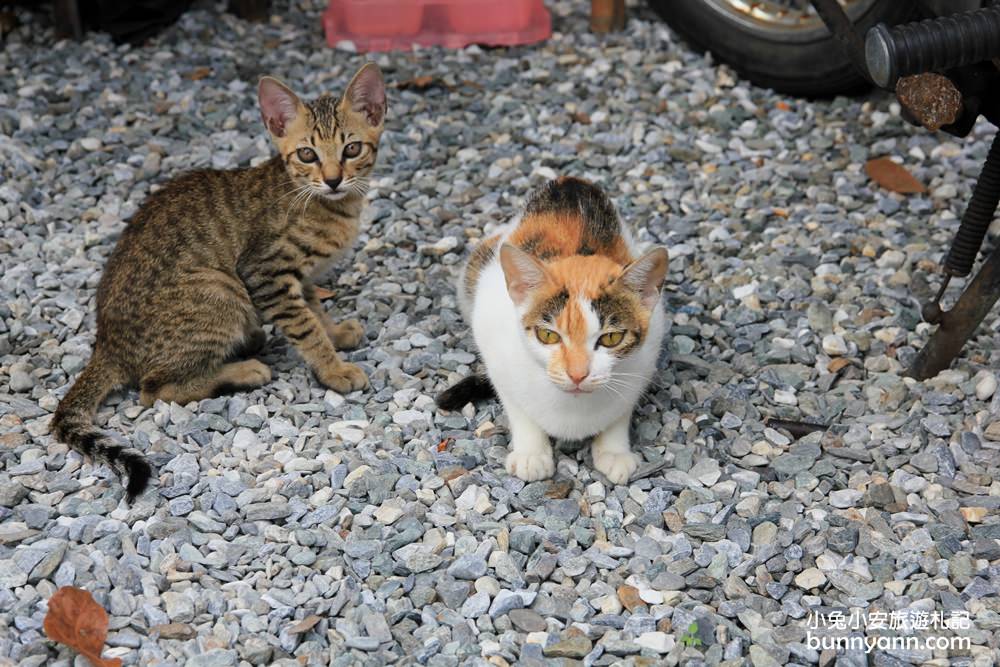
816,68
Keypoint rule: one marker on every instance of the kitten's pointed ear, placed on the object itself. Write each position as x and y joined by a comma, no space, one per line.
645,275
523,272
279,106
366,94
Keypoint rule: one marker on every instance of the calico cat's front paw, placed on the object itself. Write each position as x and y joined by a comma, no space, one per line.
346,335
343,378
531,465
616,466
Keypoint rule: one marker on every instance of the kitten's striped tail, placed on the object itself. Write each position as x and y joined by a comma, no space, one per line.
469,390
73,424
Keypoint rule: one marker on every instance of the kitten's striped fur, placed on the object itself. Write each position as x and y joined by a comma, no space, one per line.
178,304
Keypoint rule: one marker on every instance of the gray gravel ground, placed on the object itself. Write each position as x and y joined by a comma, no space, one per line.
294,526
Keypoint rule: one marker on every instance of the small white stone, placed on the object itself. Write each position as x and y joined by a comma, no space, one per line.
407,417
986,386
351,431
651,596
785,397
595,491
390,511
333,399
355,475
745,290
810,578
660,642
828,563
90,143
537,638
834,345
487,585
467,500
845,498
608,604
301,464
483,504
891,259
776,437
244,438
442,246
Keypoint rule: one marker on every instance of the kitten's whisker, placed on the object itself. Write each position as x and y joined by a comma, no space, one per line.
293,191
303,195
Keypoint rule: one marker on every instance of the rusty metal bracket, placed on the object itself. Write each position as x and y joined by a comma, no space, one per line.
961,322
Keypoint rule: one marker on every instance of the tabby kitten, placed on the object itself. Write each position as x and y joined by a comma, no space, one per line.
179,300
568,322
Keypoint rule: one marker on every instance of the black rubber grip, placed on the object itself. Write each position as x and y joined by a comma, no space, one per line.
978,216
932,45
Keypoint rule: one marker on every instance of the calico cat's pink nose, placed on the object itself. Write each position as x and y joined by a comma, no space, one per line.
577,378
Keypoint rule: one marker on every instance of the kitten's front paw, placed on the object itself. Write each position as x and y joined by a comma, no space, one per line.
616,466
343,378
346,335
531,465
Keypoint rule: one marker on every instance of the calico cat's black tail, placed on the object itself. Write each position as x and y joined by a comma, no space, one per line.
471,389
73,424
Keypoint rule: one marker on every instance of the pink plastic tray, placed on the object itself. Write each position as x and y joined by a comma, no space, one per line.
390,25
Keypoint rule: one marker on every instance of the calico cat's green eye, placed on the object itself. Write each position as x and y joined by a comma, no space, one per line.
352,149
611,339
306,155
547,336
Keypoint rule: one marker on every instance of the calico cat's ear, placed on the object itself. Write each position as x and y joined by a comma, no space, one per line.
523,272
279,106
366,94
645,275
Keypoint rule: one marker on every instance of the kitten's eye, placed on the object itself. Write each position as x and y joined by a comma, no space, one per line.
611,339
547,336
306,155
352,149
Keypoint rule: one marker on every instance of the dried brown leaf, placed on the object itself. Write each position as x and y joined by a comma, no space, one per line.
838,364
629,597
322,293
892,176
199,73
76,620
419,83
305,625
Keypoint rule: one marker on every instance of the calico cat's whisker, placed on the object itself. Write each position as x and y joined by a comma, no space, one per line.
643,379
615,391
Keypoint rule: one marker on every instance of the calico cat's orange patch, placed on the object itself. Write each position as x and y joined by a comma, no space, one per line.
558,234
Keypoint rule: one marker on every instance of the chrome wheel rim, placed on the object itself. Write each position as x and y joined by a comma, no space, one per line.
791,20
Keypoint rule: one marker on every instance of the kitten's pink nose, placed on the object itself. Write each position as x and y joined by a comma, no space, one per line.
578,377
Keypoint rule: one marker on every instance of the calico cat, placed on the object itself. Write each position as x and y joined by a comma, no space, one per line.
178,303
568,322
